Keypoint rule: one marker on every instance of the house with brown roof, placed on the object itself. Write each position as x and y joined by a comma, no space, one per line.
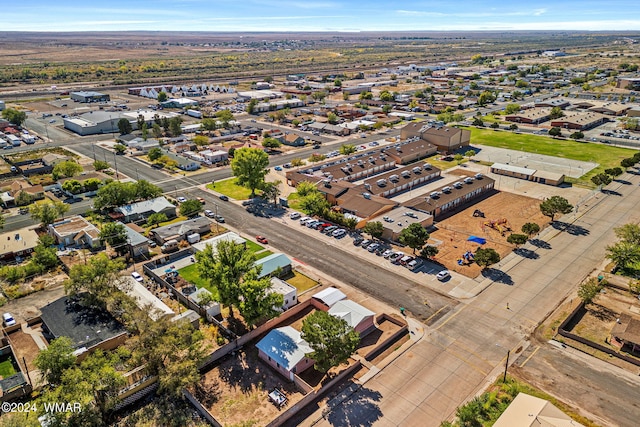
407,153
36,192
17,243
364,206
75,231
626,333
291,139
446,139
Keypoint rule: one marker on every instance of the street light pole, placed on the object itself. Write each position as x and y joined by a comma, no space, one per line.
216,218
506,363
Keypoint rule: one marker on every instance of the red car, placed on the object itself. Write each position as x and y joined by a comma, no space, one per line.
201,200
262,239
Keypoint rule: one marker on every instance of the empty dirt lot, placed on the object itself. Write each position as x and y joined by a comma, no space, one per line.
453,232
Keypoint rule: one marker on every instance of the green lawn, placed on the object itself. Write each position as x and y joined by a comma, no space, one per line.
192,275
230,188
6,368
300,281
294,202
253,246
263,254
604,155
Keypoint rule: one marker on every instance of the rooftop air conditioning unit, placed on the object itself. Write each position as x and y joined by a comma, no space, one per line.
394,178
417,169
426,166
366,195
360,162
367,186
406,174
434,194
468,180
478,176
447,189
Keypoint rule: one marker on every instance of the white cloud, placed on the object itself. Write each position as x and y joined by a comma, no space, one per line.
536,12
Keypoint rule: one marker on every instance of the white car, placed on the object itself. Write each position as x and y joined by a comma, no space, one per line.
182,199
443,275
8,319
294,215
209,213
339,233
136,276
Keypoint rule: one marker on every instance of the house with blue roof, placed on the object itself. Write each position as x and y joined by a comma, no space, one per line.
285,351
272,263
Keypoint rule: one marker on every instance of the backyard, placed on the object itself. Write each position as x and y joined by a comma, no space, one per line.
6,367
229,187
607,156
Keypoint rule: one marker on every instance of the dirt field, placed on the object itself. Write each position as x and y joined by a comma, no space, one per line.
24,346
236,391
451,236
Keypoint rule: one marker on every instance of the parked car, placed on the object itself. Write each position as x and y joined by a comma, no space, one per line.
8,319
137,276
372,247
287,165
209,213
201,200
405,260
413,264
278,168
219,218
304,220
151,243
365,243
396,256
181,199
322,226
294,215
387,253
312,224
443,275
380,250
72,200
357,241
339,233
223,198
262,239
23,211
331,229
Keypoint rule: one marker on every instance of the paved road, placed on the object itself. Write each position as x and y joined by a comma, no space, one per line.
461,353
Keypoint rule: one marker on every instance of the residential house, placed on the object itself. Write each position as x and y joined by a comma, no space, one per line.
144,300
35,192
285,351
52,159
140,211
143,145
229,236
289,293
626,333
356,316
138,244
292,139
329,296
75,231
180,230
17,243
215,156
87,327
274,263
530,411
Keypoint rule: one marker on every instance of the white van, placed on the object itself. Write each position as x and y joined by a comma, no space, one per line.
411,265
303,221
169,246
294,215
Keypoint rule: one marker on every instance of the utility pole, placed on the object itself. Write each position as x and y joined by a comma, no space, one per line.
216,218
115,161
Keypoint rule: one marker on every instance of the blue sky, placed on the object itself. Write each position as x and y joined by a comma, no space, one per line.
319,15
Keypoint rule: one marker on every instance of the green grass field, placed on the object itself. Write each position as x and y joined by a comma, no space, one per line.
294,202
300,281
263,254
192,275
230,188
6,368
606,156
253,246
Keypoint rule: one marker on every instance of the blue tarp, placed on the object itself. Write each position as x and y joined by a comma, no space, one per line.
477,240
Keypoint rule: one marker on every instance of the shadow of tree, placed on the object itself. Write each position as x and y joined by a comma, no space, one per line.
359,410
207,392
601,312
526,253
622,181
540,244
496,275
611,192
574,230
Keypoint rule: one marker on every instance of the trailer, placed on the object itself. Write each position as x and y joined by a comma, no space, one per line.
194,113
13,140
28,139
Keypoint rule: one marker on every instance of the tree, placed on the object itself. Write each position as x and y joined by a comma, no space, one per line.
415,236
271,143
365,95
555,131
386,96
556,113
224,268
175,126
154,154
576,135
304,188
124,126
374,229
485,98
296,161
517,239
15,117
73,186
251,106
589,290
95,281
100,165
332,339
513,126
337,83
477,121
458,158
628,233
614,172
530,228
155,219
555,205
91,184
512,108
144,190
316,158
494,125
156,130
627,163
48,212
225,116
469,154
623,254
120,148
115,193
347,149
200,140
486,257
249,165
162,96
601,180
190,208
271,191
23,198
429,251
314,204
115,235
257,303
55,359
66,169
